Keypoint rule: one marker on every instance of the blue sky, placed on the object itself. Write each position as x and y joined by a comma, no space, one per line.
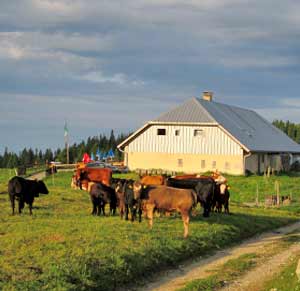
116,64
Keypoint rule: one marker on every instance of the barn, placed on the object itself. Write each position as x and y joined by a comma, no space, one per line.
203,135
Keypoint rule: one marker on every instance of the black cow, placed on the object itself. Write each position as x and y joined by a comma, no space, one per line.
24,191
221,198
131,202
204,187
101,195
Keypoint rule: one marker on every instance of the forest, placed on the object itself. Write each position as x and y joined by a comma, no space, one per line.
34,157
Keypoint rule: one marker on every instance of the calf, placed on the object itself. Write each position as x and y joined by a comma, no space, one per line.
101,195
132,202
24,191
221,198
168,199
120,192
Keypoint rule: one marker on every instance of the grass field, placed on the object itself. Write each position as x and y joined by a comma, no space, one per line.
63,247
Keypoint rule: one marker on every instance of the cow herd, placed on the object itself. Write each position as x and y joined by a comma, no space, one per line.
132,198
153,193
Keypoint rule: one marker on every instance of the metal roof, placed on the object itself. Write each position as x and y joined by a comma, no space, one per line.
248,128
190,111
252,130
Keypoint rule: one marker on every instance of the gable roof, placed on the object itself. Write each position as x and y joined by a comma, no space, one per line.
248,128
190,111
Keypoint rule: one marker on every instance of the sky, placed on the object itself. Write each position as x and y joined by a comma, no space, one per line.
102,65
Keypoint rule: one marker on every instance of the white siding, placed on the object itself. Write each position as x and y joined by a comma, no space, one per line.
213,142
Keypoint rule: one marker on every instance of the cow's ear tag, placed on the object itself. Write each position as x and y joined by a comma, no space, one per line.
144,186
130,187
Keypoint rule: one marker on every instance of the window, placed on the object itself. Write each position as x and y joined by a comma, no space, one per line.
198,132
214,164
202,164
177,132
161,131
180,162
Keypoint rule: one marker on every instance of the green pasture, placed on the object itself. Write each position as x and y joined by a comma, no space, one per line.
63,247
244,189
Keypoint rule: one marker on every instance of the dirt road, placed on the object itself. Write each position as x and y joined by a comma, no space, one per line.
38,176
175,279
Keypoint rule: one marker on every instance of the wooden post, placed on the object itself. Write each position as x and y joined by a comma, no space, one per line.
52,171
277,192
268,171
257,194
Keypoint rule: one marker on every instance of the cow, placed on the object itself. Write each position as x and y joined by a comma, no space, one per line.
120,192
118,185
168,199
132,203
221,198
101,195
102,175
24,191
203,186
187,176
153,180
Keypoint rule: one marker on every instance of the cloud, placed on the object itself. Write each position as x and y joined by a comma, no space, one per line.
119,79
283,113
69,57
257,61
291,102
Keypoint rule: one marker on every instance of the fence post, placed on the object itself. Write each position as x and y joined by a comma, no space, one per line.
257,194
269,171
277,192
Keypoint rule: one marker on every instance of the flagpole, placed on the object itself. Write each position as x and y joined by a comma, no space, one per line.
66,135
67,147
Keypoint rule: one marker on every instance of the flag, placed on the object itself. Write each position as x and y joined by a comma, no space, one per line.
98,155
66,131
92,157
111,153
86,158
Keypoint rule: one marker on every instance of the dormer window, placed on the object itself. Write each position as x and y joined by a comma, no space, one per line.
161,131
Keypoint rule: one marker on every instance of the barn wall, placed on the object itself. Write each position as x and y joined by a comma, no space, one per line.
266,160
251,163
213,141
188,163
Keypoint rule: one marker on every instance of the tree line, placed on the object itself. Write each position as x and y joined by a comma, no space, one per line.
289,128
30,157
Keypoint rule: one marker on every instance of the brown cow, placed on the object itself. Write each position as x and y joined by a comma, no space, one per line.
166,198
153,180
190,176
81,177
